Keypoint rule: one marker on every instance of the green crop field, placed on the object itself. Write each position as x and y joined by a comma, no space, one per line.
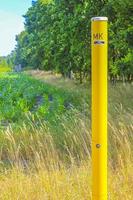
22,96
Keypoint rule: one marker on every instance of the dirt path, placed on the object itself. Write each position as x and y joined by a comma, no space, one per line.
58,80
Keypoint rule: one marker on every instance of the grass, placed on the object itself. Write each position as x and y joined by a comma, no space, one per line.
21,95
4,69
62,184
39,168
51,159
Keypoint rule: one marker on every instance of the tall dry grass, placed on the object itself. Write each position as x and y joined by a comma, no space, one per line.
44,162
39,164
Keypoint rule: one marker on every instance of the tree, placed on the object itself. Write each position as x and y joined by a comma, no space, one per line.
57,36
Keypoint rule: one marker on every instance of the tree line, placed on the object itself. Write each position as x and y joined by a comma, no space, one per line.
57,37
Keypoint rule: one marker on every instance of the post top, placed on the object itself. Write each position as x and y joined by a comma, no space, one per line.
99,19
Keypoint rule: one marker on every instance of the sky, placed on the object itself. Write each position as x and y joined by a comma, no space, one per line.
11,23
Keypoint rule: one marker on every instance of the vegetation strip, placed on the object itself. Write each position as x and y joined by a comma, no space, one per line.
21,94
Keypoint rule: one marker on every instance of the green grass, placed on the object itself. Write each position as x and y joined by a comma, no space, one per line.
4,69
23,97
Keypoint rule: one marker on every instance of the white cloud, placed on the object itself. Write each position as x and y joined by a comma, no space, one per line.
10,25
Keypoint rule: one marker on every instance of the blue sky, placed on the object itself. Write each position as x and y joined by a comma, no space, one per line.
11,22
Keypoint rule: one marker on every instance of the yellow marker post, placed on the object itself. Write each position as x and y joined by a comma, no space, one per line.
99,107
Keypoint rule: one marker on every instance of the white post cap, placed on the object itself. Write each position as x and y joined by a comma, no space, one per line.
99,19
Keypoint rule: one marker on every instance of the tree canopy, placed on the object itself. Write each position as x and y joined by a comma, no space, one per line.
57,36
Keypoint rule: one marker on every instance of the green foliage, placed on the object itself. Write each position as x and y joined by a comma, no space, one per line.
57,36
22,96
4,65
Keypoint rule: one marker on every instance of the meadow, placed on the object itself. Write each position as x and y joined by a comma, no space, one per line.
45,138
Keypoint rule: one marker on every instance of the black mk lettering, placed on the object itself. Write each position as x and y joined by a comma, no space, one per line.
98,36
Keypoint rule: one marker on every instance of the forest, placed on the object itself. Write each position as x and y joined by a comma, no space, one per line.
57,37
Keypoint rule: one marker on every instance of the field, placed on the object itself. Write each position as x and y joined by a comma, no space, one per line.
45,138
22,96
